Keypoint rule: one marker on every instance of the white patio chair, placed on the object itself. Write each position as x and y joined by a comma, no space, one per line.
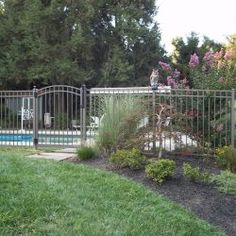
95,122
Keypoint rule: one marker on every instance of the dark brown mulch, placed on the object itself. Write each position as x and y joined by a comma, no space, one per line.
204,200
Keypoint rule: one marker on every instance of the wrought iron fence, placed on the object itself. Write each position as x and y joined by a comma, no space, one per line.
16,113
167,118
176,118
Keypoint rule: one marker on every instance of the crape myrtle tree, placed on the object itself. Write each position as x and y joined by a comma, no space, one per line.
97,42
185,48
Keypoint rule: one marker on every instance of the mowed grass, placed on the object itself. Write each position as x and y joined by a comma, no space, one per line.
39,197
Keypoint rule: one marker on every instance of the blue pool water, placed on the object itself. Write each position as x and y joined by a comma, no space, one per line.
17,138
43,138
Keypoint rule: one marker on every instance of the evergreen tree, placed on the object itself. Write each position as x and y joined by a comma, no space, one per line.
100,43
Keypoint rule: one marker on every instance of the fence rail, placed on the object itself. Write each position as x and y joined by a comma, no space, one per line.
69,116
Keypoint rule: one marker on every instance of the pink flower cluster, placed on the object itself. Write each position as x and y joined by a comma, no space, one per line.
172,75
209,58
171,81
219,55
166,67
176,74
194,60
228,54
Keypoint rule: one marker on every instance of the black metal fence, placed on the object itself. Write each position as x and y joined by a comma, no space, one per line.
69,116
177,118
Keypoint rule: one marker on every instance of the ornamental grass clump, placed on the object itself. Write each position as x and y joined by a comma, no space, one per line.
132,159
121,115
160,170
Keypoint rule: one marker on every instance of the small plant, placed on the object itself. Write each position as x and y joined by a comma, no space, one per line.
225,181
194,173
128,158
160,170
226,158
220,156
86,153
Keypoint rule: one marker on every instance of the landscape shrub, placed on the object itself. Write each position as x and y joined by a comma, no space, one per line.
160,170
86,153
225,181
128,158
226,158
194,173
220,156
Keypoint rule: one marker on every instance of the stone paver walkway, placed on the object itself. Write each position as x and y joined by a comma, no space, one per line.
58,155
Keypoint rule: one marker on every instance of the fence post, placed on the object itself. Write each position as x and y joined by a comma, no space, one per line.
232,117
154,121
83,113
35,117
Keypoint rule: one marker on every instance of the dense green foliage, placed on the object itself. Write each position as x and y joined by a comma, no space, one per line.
42,197
100,43
128,158
225,181
195,174
226,158
160,170
85,153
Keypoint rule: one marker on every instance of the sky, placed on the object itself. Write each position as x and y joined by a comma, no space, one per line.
215,19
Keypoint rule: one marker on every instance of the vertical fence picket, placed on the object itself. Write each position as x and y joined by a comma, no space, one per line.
35,118
233,118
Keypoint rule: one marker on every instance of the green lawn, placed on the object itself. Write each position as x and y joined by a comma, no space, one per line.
40,197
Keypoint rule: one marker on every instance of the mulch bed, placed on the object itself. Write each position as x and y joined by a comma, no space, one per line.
203,199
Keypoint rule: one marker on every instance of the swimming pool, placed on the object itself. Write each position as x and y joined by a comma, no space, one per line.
43,138
16,138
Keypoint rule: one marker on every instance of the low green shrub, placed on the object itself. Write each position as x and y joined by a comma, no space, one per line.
85,153
128,158
230,156
226,158
225,181
194,173
160,170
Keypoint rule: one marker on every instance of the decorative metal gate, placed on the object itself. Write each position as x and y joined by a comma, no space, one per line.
59,116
